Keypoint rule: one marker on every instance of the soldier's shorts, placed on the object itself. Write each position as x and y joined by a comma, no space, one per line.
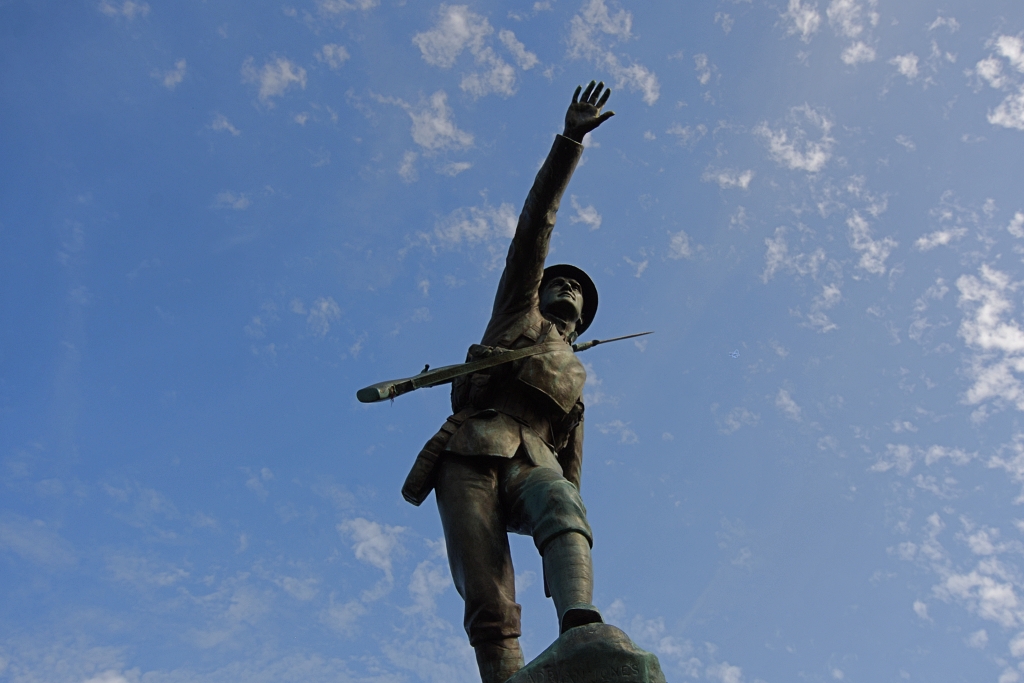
480,499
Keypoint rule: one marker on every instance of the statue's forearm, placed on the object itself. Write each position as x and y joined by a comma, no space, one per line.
524,265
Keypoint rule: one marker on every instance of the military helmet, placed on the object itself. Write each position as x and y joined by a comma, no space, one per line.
586,284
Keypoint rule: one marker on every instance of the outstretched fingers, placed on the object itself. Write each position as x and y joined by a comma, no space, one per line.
604,98
576,95
596,94
588,91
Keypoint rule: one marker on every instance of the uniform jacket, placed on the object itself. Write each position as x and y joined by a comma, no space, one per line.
534,402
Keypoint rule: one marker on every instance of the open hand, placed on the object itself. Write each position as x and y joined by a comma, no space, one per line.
584,113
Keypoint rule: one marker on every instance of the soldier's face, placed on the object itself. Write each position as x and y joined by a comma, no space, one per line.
562,297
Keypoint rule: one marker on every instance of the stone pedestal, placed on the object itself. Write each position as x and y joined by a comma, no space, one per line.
595,653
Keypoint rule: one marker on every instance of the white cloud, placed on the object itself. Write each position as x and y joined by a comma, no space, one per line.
456,29
373,543
703,66
1016,226
333,55
143,571
726,20
587,215
729,178
906,143
793,149
847,17
978,639
939,238
338,6
873,253
524,58
984,594
35,541
274,78
921,610
817,319
475,224
625,434
679,245
902,457
432,125
127,9
803,19
949,22
736,419
777,257
789,407
342,617
454,168
230,200
906,65
686,134
322,313
990,70
1010,112
591,35
726,673
1012,48
500,77
172,77
221,123
427,582
858,53
407,169
996,339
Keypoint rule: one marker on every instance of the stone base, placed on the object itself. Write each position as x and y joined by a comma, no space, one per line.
595,653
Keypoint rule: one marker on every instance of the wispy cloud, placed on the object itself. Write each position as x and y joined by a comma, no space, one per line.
433,127
231,200
274,78
587,215
728,178
995,338
333,55
785,403
802,19
36,542
1010,112
457,29
873,253
221,123
171,78
127,9
778,257
793,148
592,34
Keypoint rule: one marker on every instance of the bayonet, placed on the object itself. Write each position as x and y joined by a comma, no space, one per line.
443,375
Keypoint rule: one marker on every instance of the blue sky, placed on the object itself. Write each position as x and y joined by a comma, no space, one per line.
219,220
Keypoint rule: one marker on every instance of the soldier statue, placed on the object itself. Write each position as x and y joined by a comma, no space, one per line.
509,458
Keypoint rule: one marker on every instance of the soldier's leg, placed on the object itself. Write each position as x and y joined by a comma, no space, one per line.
480,560
543,504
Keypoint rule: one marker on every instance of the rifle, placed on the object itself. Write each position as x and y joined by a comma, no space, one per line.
443,375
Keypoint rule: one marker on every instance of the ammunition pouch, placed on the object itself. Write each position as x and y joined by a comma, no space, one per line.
423,474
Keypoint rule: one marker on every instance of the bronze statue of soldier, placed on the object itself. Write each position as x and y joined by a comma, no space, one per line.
509,458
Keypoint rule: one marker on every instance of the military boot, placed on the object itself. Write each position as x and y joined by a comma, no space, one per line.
569,577
499,659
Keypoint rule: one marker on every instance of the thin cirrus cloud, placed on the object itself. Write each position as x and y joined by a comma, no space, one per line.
457,29
793,147
433,127
274,78
592,34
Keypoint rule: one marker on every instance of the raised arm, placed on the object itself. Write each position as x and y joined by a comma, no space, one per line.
524,265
